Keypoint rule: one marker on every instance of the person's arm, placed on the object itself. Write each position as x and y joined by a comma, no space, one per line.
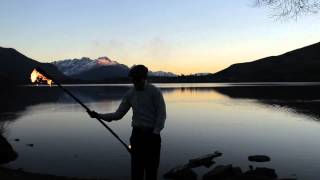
120,112
161,112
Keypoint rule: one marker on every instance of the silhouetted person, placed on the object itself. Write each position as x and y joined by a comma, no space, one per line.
149,114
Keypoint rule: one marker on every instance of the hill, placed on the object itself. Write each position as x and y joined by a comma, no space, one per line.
16,67
299,65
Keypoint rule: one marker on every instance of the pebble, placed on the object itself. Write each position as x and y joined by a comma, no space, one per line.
259,158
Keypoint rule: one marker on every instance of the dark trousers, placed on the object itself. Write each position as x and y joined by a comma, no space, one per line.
145,156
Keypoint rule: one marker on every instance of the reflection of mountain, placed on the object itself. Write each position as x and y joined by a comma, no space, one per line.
89,94
301,99
15,100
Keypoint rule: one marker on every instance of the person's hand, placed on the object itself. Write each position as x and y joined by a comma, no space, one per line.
93,114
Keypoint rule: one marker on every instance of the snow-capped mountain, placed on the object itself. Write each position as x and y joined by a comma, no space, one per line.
88,69
98,69
72,67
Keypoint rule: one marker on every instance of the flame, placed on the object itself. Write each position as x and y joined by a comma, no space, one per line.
39,78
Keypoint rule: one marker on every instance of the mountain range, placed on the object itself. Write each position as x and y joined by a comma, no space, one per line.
298,65
87,69
98,69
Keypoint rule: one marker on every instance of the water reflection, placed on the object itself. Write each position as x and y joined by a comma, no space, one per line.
238,119
299,99
15,101
303,99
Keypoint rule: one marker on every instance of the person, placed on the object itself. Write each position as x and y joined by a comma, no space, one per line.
149,115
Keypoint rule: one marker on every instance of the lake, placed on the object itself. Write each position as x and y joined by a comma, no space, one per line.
280,120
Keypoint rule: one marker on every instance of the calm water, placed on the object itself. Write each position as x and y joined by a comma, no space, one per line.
279,120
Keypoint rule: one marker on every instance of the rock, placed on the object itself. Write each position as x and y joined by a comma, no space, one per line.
251,177
205,160
236,170
182,172
222,172
208,164
268,172
7,153
262,172
259,158
30,145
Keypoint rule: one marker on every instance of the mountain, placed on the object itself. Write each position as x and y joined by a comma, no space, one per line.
16,67
88,69
161,74
98,69
298,65
201,74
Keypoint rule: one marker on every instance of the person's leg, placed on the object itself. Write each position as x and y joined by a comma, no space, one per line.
137,165
153,157
137,171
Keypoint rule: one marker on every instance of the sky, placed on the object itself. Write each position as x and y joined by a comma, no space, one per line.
180,36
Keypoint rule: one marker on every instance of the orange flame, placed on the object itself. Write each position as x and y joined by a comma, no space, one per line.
39,78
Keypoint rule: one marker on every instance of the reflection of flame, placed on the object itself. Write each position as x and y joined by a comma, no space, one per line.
37,77
129,146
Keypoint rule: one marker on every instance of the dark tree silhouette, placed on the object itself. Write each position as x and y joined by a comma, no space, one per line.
290,8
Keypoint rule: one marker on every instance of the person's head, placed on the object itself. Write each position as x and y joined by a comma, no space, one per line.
138,75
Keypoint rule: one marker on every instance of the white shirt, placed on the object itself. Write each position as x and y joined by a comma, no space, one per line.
148,106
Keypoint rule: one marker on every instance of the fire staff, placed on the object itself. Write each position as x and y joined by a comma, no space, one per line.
39,76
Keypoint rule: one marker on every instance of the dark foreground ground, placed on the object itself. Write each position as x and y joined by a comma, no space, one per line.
8,174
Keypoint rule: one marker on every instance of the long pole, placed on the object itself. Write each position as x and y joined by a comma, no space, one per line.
84,106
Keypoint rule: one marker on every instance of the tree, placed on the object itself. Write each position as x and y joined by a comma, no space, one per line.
290,8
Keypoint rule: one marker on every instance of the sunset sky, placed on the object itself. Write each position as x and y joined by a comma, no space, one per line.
181,36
